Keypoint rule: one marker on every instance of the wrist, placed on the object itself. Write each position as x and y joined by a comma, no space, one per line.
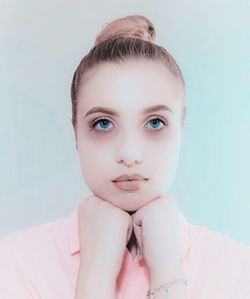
173,289
173,292
96,265
93,284
165,274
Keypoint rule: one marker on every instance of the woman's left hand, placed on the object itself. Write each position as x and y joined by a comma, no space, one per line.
156,229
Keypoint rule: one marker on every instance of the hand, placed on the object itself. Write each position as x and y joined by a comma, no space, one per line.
156,229
104,231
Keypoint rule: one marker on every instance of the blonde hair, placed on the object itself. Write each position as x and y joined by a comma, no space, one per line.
130,37
129,26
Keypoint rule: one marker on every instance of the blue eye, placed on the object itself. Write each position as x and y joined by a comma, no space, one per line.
104,125
155,123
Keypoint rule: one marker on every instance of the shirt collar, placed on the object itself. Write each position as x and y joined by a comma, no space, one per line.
184,226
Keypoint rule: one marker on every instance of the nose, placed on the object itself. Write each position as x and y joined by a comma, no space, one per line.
129,163
129,153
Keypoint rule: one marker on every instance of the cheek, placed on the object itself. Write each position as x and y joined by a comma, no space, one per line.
166,154
94,156
168,146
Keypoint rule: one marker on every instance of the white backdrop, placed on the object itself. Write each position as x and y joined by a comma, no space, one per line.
42,42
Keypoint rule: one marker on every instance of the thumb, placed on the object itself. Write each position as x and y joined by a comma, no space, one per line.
137,225
130,230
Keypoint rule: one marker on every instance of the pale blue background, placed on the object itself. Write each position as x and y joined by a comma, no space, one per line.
42,42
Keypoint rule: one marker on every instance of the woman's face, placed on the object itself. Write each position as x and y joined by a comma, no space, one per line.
119,134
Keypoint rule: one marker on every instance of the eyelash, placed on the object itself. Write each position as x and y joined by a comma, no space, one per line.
94,123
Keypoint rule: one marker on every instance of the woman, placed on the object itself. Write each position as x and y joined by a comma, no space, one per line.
129,239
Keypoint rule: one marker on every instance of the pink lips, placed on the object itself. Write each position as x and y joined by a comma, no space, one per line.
130,183
134,177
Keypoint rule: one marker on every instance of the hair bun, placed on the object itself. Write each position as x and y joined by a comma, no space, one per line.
135,26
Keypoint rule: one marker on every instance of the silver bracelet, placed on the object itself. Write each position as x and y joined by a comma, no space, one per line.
165,286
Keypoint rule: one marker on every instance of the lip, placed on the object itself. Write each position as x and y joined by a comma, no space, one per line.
133,177
132,185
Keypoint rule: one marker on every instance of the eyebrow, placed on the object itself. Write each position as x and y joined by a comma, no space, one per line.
114,113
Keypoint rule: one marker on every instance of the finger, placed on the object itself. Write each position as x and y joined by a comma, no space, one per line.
132,216
130,228
137,218
129,235
138,235
139,252
137,224
138,229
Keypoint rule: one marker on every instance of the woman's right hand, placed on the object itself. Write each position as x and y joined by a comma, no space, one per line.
104,231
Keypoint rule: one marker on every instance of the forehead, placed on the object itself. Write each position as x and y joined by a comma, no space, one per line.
130,85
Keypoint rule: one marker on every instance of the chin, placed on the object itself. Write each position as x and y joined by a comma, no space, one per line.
130,210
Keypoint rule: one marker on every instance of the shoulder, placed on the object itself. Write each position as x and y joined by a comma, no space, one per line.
31,245
28,256
225,262
214,243
31,237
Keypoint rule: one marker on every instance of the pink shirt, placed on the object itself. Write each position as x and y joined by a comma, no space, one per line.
43,261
